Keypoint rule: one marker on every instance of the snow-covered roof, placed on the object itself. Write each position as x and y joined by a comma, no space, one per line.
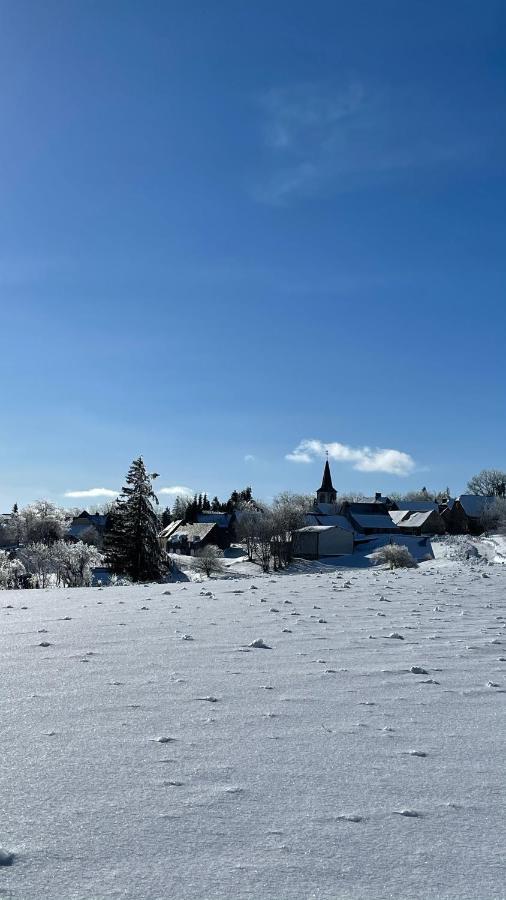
474,504
416,505
415,519
326,509
316,528
370,521
219,518
342,521
170,528
195,532
397,515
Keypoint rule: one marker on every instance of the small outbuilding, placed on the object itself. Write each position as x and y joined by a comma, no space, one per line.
317,541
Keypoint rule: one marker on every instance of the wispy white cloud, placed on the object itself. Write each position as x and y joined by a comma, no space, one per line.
249,458
177,490
320,136
299,456
92,492
364,459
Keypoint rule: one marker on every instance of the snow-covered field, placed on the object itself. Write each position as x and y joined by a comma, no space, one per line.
148,752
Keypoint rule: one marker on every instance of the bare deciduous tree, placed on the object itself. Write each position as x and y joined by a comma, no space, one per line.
288,513
488,483
38,561
42,522
493,517
246,529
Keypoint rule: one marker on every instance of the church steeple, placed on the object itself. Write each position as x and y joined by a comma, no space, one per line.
326,493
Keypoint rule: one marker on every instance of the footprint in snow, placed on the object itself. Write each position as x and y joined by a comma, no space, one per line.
186,637
417,670
259,644
162,740
420,753
408,813
395,636
45,644
6,858
345,817
286,631
209,699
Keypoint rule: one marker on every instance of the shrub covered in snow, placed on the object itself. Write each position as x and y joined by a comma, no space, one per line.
396,556
60,563
208,561
458,547
11,572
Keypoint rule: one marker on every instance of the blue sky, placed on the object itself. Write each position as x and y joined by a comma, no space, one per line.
229,229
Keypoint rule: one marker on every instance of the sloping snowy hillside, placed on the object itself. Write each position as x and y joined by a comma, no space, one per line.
148,751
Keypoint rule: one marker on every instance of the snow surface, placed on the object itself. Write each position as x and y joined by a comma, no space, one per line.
138,764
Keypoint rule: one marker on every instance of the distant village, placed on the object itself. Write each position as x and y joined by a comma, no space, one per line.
334,527
43,542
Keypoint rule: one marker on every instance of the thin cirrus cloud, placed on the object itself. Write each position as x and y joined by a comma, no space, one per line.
364,459
177,490
92,492
318,136
249,458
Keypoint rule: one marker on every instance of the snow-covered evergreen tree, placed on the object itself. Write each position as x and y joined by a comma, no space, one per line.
166,517
131,545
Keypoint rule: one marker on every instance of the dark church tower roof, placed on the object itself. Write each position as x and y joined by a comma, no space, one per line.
327,485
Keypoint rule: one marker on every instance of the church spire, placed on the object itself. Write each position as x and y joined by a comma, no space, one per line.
327,492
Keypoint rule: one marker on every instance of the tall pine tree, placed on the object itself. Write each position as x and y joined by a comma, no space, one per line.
131,545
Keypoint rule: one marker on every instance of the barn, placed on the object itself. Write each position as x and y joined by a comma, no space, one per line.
317,541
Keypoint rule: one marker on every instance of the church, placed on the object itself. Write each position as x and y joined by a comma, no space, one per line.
326,495
366,517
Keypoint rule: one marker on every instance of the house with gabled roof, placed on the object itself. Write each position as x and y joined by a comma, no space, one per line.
190,538
416,522
88,527
473,506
